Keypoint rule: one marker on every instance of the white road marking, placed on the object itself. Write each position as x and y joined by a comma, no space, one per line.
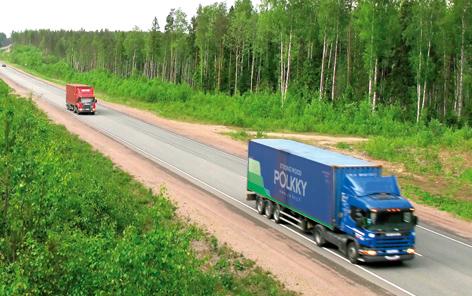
371,273
445,236
360,267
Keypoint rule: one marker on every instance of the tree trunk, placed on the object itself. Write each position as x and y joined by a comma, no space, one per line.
220,65
287,78
461,74
445,76
236,71
323,67
426,78
374,98
418,90
252,70
333,83
258,75
348,58
282,67
330,58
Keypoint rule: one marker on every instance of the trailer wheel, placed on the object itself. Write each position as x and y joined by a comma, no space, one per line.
260,205
318,236
352,253
269,209
277,214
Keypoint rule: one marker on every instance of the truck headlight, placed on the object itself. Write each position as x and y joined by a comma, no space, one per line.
371,235
368,252
410,251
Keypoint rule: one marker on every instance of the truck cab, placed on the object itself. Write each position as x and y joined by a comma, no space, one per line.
80,98
380,222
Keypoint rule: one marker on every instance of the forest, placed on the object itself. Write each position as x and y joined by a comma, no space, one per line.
412,56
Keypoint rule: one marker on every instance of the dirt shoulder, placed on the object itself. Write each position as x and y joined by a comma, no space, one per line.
302,270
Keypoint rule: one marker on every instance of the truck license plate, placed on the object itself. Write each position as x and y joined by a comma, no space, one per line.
393,234
392,251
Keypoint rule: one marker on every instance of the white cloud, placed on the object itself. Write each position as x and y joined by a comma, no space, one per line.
18,15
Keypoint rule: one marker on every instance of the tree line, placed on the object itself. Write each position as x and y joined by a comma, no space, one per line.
415,54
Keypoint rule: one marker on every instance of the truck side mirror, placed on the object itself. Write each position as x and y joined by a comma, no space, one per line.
415,220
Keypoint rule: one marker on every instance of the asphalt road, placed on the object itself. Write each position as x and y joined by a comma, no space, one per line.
444,262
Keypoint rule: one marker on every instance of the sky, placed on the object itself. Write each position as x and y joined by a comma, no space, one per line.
18,15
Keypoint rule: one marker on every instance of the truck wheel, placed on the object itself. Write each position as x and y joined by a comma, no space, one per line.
277,214
260,205
318,236
352,253
269,209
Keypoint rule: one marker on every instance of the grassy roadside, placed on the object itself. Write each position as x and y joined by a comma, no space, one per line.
435,161
76,224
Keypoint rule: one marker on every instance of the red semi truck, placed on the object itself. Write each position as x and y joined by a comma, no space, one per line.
80,98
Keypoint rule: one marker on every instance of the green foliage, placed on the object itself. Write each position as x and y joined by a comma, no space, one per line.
413,54
467,175
460,207
72,223
259,111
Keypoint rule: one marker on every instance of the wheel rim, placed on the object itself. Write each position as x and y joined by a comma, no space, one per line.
277,214
352,252
260,203
317,237
269,209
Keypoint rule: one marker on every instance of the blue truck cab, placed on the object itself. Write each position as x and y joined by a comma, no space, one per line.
336,198
379,218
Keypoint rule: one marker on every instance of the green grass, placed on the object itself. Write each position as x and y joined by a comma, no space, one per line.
76,224
429,149
462,208
245,136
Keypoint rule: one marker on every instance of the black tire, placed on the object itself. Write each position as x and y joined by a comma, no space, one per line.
352,253
278,214
93,113
75,110
260,205
269,209
318,236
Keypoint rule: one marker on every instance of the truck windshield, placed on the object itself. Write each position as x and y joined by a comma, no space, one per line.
87,100
387,221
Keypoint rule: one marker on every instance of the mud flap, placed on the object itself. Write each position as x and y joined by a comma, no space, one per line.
250,195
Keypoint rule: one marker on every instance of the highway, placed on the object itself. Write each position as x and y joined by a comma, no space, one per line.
444,262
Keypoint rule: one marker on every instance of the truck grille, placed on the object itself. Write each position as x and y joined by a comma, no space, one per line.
392,242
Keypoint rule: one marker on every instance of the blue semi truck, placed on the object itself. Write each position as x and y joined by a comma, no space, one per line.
338,199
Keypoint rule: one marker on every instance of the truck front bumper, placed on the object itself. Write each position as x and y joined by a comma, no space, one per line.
390,258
